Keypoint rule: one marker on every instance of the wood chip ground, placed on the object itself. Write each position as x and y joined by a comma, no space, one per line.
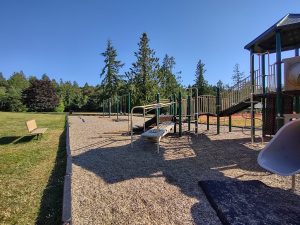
113,183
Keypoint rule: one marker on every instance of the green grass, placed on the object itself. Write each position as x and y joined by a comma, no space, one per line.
31,171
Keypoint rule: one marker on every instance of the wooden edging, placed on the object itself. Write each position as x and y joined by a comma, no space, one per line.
67,200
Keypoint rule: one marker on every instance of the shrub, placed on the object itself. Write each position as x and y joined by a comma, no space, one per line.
40,96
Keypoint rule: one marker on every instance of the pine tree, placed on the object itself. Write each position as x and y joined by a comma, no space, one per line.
110,71
200,82
237,75
168,82
144,72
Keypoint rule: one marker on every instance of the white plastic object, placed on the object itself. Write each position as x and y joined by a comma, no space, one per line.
282,154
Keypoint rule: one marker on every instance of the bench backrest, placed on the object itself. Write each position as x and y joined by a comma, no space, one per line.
31,125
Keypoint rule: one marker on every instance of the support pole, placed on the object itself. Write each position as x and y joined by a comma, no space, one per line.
174,112
218,110
207,116
118,107
189,112
170,109
158,109
251,97
297,99
128,108
180,112
196,111
229,124
103,108
207,122
263,73
279,108
109,106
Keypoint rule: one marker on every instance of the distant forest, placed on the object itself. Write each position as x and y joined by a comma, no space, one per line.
147,76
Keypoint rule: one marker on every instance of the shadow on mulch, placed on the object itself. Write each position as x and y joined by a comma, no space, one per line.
117,164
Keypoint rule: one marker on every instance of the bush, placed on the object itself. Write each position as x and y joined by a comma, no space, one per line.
60,107
40,96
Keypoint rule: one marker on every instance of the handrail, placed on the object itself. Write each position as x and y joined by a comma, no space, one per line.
144,107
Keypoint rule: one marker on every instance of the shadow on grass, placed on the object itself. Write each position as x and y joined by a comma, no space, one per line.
51,204
25,139
8,140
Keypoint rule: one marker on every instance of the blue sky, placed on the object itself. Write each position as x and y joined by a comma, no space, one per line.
64,38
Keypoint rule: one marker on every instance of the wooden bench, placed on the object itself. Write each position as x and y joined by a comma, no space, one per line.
33,129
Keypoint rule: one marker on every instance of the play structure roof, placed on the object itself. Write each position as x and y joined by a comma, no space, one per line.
289,27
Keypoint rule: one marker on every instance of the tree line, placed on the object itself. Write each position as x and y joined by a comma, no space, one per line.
146,77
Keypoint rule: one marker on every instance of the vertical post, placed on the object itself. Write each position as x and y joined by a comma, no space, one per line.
207,116
129,102
118,108
279,108
196,111
251,95
218,110
158,109
180,112
263,73
297,99
170,108
229,123
109,106
189,112
207,122
103,107
174,112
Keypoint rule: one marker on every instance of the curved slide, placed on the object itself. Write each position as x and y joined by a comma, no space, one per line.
282,154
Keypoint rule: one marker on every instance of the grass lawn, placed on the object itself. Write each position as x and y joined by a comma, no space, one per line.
31,171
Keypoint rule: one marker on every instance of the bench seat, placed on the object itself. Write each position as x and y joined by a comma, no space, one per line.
39,131
155,134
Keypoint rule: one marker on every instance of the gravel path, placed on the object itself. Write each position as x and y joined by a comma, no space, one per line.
115,184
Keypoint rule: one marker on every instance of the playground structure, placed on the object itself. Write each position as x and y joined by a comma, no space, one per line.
118,105
263,85
161,129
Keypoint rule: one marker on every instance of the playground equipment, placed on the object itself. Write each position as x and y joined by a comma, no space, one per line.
119,105
265,86
281,155
161,130
262,85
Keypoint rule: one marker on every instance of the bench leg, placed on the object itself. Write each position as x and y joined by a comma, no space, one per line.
158,141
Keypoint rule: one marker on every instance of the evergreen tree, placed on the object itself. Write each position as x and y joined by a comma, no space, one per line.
144,72
110,71
200,82
220,85
3,81
168,82
237,75
18,81
16,84
45,77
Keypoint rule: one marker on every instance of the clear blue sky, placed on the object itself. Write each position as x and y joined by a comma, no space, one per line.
64,39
